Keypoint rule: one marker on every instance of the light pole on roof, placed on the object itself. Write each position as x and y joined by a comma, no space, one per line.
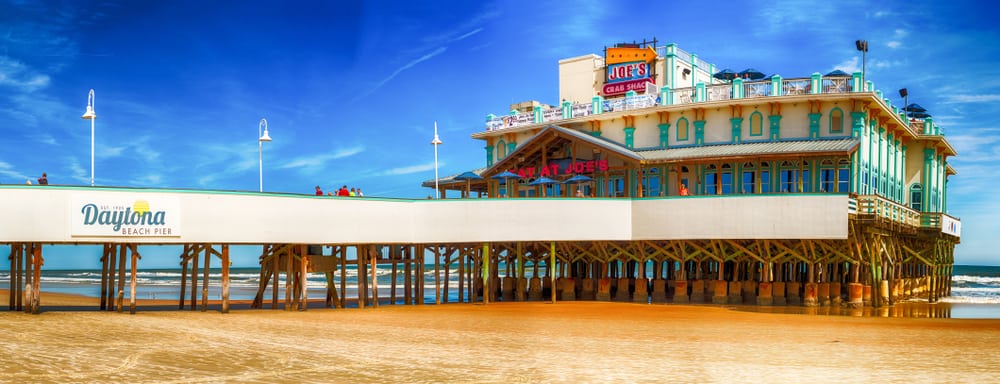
862,45
436,142
90,115
262,137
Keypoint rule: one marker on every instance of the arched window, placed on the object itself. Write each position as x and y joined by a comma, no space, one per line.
682,129
501,150
836,120
916,197
756,124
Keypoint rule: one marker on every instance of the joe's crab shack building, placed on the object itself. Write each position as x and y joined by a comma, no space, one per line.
813,190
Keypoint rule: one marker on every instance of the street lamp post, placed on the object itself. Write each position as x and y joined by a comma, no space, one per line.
862,45
436,142
90,115
262,137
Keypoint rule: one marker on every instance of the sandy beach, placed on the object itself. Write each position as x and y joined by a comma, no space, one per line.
495,343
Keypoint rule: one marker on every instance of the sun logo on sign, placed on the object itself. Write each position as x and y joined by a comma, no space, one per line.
140,207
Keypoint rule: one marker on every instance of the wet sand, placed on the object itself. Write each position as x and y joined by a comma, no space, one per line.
495,343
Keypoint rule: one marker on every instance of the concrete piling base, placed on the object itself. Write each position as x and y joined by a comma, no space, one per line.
792,293
735,292
823,294
698,291
622,293
521,294
568,291
659,291
835,298
719,293
641,294
811,293
507,288
778,293
749,292
603,289
764,294
535,289
587,289
866,295
680,291
854,295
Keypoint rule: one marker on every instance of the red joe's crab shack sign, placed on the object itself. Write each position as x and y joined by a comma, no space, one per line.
562,167
628,68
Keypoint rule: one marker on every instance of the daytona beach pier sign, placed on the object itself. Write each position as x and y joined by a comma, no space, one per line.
93,216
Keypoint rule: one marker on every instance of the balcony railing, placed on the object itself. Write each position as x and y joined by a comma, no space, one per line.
881,208
738,89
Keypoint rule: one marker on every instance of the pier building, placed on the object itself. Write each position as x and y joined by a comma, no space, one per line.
656,178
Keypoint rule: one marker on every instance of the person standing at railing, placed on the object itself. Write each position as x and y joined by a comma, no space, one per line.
44,180
684,190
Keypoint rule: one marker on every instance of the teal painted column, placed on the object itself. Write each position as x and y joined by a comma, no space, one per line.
857,159
815,83
486,273
597,104
776,88
701,94
814,125
856,85
694,69
511,146
666,96
901,171
926,180
567,109
489,155
737,88
538,114
881,161
699,132
664,135
775,121
670,61
595,133
737,124
857,123
629,137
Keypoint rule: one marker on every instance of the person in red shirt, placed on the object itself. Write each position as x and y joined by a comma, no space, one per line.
319,192
343,191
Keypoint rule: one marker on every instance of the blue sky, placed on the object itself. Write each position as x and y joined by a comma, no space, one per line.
351,90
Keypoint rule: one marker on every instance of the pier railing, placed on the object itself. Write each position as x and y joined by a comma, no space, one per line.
878,208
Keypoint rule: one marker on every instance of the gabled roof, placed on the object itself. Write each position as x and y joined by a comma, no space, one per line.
528,151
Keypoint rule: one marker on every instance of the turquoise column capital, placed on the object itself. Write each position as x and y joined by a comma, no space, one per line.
737,86
857,123
700,88
567,109
489,155
776,88
856,85
666,96
538,114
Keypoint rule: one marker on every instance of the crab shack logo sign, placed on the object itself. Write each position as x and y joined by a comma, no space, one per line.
125,217
628,68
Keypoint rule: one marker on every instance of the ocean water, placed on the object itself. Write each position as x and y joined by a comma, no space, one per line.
975,289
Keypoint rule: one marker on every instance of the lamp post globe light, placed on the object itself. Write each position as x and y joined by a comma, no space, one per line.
436,142
262,136
90,115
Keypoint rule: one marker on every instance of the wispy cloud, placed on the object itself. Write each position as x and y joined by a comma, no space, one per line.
410,169
15,74
982,98
321,159
399,70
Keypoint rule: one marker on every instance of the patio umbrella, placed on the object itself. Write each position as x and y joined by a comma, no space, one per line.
919,115
725,74
914,107
506,176
837,73
468,176
576,179
542,181
751,74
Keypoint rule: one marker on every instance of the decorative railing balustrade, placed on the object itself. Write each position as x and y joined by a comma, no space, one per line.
879,207
737,89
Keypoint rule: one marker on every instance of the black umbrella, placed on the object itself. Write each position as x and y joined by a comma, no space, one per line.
751,74
725,74
837,73
468,177
914,108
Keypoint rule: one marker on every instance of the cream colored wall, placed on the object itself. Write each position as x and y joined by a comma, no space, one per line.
580,77
45,214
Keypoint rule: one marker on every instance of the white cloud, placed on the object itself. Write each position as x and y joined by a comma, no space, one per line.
893,44
850,65
982,98
410,169
17,75
321,159
399,70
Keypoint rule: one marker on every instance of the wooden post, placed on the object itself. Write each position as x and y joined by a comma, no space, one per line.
393,259
437,275
204,283
486,273
304,276
419,259
104,278
131,289
461,276
551,268
408,278
37,279
194,278
373,254
362,280
343,276
275,272
184,268
225,278
120,298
